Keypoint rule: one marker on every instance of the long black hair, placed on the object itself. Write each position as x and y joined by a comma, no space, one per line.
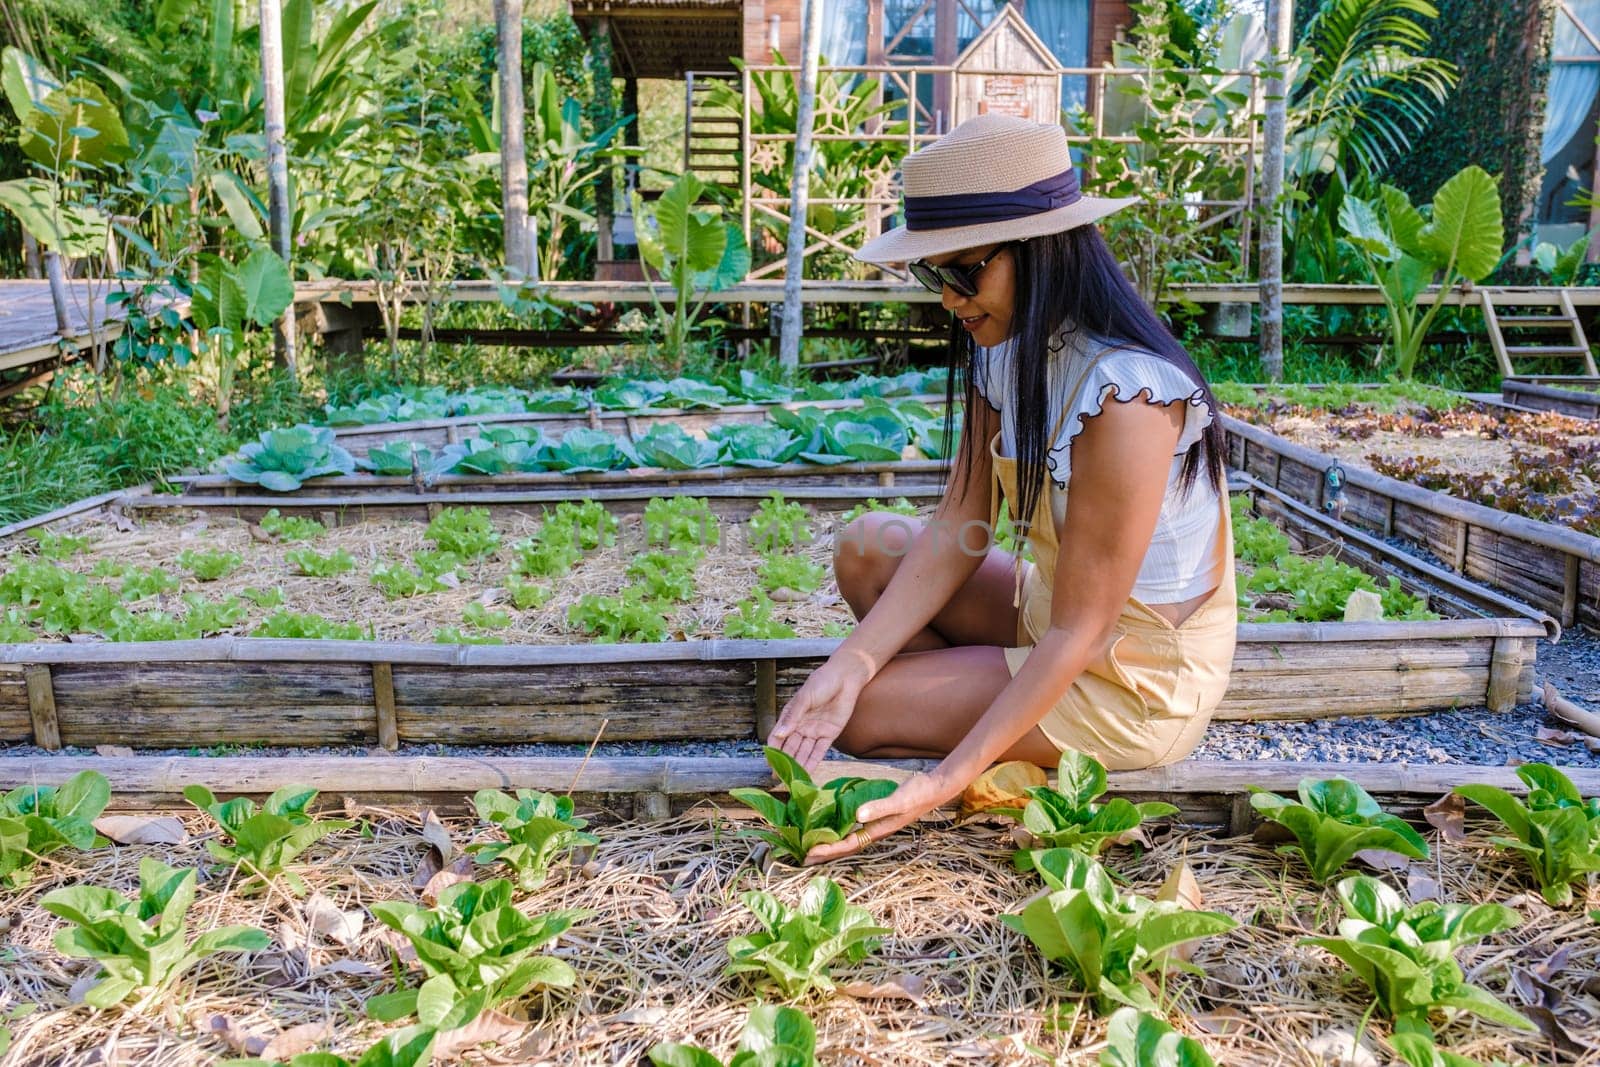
1070,281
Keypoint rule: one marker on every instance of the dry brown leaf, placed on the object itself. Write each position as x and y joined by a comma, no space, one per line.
327,919
297,1039
1005,785
1338,1047
458,871
82,984
1383,860
1448,815
901,987
142,829
1420,886
235,1037
640,1017
1545,735
490,1026
1222,1021
435,834
397,943
1182,886
113,751
353,968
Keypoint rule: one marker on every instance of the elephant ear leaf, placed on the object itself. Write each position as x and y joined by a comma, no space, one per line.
1466,227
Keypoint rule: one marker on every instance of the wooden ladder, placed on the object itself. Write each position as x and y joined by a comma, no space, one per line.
711,137
1542,321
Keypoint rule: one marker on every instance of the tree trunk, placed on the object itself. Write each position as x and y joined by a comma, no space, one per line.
1280,19
513,153
602,116
800,184
278,220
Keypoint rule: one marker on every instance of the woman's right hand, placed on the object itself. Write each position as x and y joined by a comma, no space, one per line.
819,710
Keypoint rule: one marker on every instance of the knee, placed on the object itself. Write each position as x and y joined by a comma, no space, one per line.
867,551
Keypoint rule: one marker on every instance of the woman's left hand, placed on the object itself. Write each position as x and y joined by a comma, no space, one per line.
916,796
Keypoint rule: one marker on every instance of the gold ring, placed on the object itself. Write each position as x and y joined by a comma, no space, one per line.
863,838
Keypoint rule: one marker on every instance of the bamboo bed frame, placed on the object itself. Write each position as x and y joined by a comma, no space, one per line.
232,690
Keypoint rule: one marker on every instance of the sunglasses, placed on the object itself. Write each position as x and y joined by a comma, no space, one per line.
962,279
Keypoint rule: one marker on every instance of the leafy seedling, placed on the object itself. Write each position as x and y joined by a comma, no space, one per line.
1068,817
813,815
790,572
1334,820
778,524
664,576
798,944
539,828
465,532
752,619
291,527
209,566
477,950
1406,955
142,943
36,820
284,458
611,619
774,1036
294,624
1555,830
314,564
1105,940
265,840
410,1047
1136,1038
680,523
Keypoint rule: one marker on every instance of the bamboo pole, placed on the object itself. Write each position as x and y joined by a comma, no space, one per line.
141,780
278,215
1280,20
800,184
513,150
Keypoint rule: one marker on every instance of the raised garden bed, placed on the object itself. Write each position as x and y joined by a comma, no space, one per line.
1579,399
290,691
950,984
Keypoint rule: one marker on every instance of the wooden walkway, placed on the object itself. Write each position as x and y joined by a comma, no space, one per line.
28,332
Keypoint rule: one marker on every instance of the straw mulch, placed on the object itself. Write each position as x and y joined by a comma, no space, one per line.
726,574
664,902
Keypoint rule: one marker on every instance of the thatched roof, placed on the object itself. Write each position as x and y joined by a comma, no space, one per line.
665,38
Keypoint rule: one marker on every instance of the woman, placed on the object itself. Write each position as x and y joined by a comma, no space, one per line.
1087,416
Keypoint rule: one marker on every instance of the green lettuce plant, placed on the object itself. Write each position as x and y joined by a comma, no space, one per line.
664,576
209,566
291,527
408,1047
1069,817
673,448
1334,819
790,572
539,828
1555,830
284,458
796,945
36,820
778,524
267,839
1419,1050
774,1036
812,815
682,523
314,564
1138,1039
1406,954
752,619
294,624
464,532
626,617
142,943
1104,940
477,950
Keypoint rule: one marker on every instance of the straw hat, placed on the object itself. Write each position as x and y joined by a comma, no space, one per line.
993,178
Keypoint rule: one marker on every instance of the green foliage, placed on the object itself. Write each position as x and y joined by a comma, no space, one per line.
1406,955
263,598
796,945
1069,817
790,572
681,523
778,524
539,828
282,459
1138,1039
481,615
396,459
294,624
477,950
752,619
141,582
694,248
60,546
14,629
1419,1050
141,943
291,527
899,506
583,450
454,635
209,566
1404,248
1334,820
625,617
774,1036
755,444
545,556
813,815
1104,940
587,525
1555,830
398,580
408,1047
466,532
673,448
267,839
36,820
526,596
664,576
11,1015
314,564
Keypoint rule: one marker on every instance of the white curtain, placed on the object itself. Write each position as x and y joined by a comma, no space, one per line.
1063,25
1572,85
844,33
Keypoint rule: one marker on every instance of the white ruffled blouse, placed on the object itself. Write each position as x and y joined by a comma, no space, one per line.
1184,558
